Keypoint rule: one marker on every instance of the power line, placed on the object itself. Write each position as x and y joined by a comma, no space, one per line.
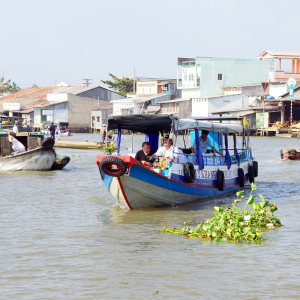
87,82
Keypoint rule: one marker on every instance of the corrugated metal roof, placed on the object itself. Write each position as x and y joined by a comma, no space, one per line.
104,107
72,89
166,82
242,85
27,105
32,92
176,100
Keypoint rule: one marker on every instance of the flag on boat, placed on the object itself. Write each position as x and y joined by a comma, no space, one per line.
245,122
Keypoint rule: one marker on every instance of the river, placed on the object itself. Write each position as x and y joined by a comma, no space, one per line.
62,237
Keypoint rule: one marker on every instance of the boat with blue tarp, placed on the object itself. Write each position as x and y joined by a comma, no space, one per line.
188,176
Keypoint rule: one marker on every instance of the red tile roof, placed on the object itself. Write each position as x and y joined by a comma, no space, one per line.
32,92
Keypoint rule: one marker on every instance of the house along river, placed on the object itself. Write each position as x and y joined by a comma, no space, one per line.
61,237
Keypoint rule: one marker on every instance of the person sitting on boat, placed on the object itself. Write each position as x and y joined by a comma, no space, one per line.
16,145
204,143
168,150
145,155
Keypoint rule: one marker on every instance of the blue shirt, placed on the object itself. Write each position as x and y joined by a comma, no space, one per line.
203,145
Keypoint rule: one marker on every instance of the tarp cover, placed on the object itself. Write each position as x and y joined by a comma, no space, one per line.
183,124
141,123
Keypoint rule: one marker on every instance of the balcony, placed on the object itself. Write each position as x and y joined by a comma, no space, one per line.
188,84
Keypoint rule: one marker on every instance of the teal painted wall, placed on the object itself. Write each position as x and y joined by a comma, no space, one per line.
234,72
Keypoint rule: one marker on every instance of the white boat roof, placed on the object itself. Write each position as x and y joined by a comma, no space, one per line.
183,124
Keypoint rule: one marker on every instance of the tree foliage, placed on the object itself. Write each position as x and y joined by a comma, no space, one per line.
35,85
8,86
122,86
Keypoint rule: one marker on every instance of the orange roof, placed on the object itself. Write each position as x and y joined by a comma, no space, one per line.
32,92
280,54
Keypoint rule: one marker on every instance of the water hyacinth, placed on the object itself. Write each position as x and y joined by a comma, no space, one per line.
232,224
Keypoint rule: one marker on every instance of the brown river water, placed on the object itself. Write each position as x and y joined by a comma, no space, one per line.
62,237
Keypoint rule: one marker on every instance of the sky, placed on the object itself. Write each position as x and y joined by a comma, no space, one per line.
46,42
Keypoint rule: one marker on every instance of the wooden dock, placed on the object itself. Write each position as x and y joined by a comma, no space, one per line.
78,144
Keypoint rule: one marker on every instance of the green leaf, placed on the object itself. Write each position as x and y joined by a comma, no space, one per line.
219,209
235,208
239,194
263,204
250,200
253,186
261,197
256,206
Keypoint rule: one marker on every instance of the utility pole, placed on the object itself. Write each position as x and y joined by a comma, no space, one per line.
133,80
87,81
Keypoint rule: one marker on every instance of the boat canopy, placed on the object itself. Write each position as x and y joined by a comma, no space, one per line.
183,124
141,123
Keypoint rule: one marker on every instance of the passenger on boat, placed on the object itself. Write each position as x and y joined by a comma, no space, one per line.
170,151
16,145
145,155
204,143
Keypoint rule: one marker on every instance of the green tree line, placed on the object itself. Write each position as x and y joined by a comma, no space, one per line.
8,86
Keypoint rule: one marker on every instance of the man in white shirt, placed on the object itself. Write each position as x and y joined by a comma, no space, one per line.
168,150
204,143
15,128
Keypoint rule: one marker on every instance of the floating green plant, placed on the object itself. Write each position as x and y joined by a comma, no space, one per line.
232,224
110,149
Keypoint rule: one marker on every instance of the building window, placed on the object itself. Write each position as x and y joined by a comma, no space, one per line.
98,119
191,77
219,76
185,77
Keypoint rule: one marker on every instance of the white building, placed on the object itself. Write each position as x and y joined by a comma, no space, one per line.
204,107
137,105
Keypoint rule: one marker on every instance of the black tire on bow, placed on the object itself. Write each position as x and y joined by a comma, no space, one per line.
48,143
64,161
241,177
220,180
281,154
251,174
189,172
113,166
292,154
255,168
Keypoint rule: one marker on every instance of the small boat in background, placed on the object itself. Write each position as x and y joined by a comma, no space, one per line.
290,153
31,152
26,151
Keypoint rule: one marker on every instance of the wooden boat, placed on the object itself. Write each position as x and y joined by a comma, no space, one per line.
290,153
38,152
135,185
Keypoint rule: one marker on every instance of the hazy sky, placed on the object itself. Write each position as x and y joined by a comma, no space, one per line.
46,41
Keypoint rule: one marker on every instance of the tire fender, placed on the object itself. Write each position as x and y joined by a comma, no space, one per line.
189,172
241,177
113,166
251,174
220,180
48,143
255,168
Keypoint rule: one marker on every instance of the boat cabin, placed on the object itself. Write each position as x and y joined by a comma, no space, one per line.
29,140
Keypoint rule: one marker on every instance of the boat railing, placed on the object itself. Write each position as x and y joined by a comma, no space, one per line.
216,159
